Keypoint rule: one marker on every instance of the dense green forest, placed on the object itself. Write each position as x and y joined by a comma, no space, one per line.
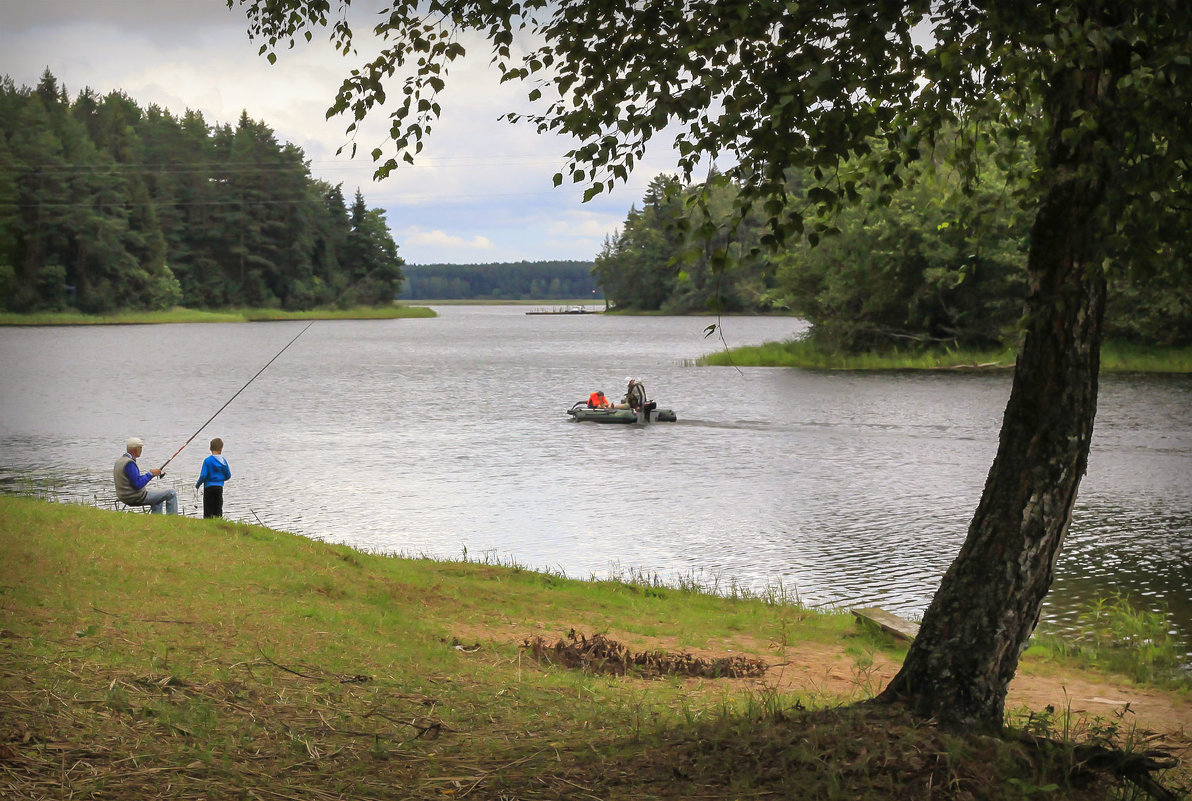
675,256
524,280
941,261
105,205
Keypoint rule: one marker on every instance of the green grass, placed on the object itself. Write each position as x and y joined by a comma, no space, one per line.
1115,357
549,304
805,354
182,315
1121,357
148,656
396,311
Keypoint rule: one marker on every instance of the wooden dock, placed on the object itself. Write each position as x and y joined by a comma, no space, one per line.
566,310
888,622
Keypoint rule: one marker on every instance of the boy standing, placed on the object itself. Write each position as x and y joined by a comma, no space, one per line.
213,475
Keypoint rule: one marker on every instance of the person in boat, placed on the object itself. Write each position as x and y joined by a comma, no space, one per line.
131,482
635,396
597,400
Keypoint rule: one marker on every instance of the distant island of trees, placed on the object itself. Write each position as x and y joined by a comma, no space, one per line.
523,280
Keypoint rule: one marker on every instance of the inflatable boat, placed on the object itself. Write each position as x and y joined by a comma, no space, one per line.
582,412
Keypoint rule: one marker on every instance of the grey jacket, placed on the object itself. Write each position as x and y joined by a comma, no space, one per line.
125,491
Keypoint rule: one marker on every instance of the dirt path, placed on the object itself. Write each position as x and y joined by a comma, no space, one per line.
1152,711
828,673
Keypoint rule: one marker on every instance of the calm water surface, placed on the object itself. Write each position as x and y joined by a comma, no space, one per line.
429,437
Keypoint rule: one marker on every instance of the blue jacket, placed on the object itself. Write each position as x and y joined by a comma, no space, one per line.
215,471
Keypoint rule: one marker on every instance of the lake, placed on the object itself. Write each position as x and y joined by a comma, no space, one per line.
442,436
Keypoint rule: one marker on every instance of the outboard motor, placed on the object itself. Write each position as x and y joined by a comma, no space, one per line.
646,413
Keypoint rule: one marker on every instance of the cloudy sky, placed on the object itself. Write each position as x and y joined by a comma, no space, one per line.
480,192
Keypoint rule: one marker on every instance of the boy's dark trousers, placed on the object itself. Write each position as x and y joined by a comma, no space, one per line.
212,501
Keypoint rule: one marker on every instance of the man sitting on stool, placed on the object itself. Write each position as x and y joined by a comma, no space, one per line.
130,482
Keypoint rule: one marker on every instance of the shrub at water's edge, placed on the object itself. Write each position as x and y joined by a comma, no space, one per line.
1115,357
1116,635
183,315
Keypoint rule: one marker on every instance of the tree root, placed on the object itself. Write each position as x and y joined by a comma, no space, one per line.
1133,766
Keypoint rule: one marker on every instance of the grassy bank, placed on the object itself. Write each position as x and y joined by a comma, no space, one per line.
1115,357
505,302
181,315
156,657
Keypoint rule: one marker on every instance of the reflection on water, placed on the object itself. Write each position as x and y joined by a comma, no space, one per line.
432,436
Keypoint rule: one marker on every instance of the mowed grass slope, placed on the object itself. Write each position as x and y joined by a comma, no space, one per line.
165,657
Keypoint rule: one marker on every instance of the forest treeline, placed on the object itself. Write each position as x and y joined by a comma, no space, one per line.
524,280
105,205
941,261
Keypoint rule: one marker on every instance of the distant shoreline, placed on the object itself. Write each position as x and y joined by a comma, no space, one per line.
183,315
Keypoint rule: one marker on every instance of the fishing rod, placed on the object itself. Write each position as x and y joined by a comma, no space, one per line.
161,470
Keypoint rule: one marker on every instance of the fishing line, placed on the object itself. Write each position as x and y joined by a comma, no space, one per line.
221,408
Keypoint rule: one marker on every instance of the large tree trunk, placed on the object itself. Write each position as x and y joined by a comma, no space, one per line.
960,665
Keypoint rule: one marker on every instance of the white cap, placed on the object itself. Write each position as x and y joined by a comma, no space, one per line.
133,443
